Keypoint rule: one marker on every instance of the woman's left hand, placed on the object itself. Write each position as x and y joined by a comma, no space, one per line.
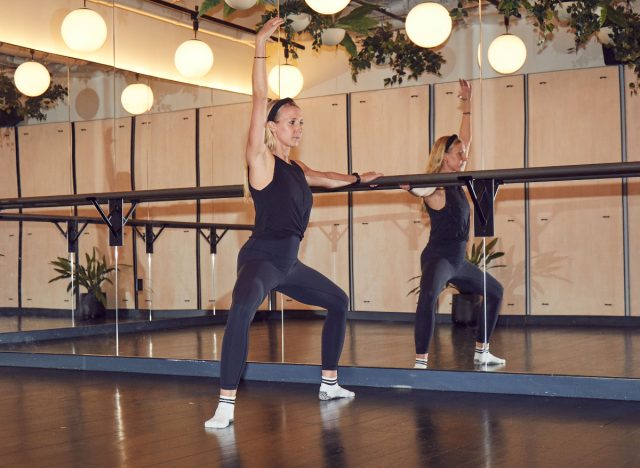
370,176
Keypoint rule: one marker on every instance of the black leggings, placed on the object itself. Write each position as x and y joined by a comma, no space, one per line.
438,269
264,265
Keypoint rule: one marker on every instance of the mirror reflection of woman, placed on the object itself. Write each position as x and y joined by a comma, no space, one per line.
443,259
268,260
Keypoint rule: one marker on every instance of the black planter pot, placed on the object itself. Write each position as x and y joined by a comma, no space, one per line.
9,119
90,308
465,309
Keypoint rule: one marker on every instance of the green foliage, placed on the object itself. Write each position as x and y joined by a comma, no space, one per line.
14,102
89,276
477,257
384,46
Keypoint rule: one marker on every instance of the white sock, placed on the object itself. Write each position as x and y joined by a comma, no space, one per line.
329,389
224,413
421,363
483,356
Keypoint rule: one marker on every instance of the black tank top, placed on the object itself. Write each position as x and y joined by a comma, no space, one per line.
282,207
450,224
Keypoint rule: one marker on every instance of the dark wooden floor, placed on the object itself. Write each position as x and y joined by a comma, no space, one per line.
573,350
81,419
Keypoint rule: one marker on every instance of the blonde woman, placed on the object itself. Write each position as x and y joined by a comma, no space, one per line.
269,259
443,259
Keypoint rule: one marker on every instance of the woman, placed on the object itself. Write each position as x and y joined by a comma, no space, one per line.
282,198
443,259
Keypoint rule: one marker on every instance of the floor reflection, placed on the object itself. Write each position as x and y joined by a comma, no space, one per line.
533,349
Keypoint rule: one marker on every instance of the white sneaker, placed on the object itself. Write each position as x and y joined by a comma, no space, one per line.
329,392
486,358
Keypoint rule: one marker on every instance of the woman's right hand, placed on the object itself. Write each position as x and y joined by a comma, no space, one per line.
406,187
268,29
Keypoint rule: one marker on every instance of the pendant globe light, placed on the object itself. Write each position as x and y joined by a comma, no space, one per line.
240,4
137,98
327,7
286,81
193,58
507,53
428,24
84,30
32,78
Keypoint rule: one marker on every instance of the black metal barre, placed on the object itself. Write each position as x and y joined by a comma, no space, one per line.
73,233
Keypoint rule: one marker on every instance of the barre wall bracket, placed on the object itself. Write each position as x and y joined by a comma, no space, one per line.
483,193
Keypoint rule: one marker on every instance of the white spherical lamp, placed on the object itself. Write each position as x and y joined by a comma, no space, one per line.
300,21
507,53
327,7
428,24
240,4
332,36
137,98
286,81
604,35
193,58
84,30
32,78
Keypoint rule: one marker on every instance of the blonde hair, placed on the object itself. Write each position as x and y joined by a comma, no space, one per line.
434,163
269,140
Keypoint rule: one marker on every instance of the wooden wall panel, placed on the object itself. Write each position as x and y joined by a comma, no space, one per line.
633,154
103,164
325,246
9,231
165,157
390,134
498,143
223,137
45,169
576,228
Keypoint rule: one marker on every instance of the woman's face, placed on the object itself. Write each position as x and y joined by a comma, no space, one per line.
455,159
288,126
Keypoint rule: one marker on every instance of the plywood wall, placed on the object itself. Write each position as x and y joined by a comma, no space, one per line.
576,228
389,134
9,231
633,154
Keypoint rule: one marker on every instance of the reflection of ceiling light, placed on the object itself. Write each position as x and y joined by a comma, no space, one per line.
32,79
137,98
240,4
193,58
428,24
286,81
603,35
332,36
84,30
327,7
507,53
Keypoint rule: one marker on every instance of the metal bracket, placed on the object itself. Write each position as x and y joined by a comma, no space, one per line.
115,221
72,234
149,237
213,238
483,193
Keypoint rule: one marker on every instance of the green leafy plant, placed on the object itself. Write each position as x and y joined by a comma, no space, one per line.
16,107
90,276
477,256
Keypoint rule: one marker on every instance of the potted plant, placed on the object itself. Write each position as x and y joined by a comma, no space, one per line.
466,307
93,303
16,107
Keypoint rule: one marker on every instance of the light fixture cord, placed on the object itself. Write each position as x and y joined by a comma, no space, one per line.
196,22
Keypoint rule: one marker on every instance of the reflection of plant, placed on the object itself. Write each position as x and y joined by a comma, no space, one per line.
14,103
478,256
90,276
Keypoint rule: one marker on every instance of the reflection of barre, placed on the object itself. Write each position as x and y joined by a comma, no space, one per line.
73,233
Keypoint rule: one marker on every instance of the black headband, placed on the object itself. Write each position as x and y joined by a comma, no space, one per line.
276,107
450,141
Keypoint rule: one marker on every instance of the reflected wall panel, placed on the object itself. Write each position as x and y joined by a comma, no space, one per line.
45,169
633,154
389,134
498,143
576,227
165,157
325,246
9,231
103,164
223,138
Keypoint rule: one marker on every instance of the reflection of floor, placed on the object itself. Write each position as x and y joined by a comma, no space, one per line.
61,418
593,351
